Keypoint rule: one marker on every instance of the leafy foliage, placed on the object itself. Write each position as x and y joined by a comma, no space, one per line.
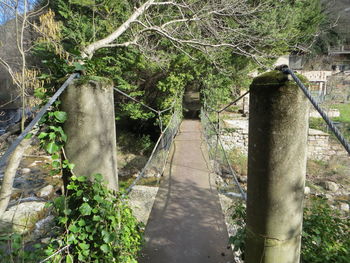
239,216
325,236
156,81
12,249
96,224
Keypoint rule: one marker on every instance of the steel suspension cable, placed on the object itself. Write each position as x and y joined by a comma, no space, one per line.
37,118
126,95
233,102
329,122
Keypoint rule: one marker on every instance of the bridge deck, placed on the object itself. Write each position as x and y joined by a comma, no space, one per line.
186,224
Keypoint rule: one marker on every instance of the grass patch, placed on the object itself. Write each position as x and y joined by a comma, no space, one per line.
344,110
124,183
317,124
239,161
343,119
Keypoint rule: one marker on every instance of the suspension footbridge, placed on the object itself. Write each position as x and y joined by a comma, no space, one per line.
186,223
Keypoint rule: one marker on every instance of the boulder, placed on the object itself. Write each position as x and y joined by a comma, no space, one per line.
25,170
45,191
21,218
307,190
331,186
329,197
141,200
242,179
344,207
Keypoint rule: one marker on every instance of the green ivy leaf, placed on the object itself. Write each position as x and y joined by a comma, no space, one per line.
28,136
73,228
81,178
60,116
85,209
84,246
52,136
69,259
78,66
105,248
96,218
98,177
42,135
52,147
81,222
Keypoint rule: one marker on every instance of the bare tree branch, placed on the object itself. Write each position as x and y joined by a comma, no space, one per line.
90,49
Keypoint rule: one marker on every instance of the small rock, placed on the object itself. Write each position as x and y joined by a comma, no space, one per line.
242,179
345,207
36,163
328,196
331,186
152,173
45,191
25,170
45,240
307,190
122,173
43,227
16,193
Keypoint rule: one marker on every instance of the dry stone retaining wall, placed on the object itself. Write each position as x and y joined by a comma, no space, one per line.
235,135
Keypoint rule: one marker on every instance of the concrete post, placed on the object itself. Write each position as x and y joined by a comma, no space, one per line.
278,127
90,128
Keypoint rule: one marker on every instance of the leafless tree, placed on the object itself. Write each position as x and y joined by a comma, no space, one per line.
16,41
203,25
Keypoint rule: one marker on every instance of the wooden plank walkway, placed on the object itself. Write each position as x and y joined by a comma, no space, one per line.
186,224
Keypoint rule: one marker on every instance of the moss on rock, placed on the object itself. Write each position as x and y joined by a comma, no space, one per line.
93,79
276,79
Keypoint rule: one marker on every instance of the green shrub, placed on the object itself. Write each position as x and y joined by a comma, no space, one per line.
325,236
13,248
133,143
98,225
239,217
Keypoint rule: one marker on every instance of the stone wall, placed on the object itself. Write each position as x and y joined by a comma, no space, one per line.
235,135
318,145
338,88
331,113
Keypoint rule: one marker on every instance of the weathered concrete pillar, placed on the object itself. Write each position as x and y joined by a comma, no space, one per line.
90,128
278,127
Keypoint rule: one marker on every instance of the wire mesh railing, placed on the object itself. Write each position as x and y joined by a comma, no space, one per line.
156,163
218,155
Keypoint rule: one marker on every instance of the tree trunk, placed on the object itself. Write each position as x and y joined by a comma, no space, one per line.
10,173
